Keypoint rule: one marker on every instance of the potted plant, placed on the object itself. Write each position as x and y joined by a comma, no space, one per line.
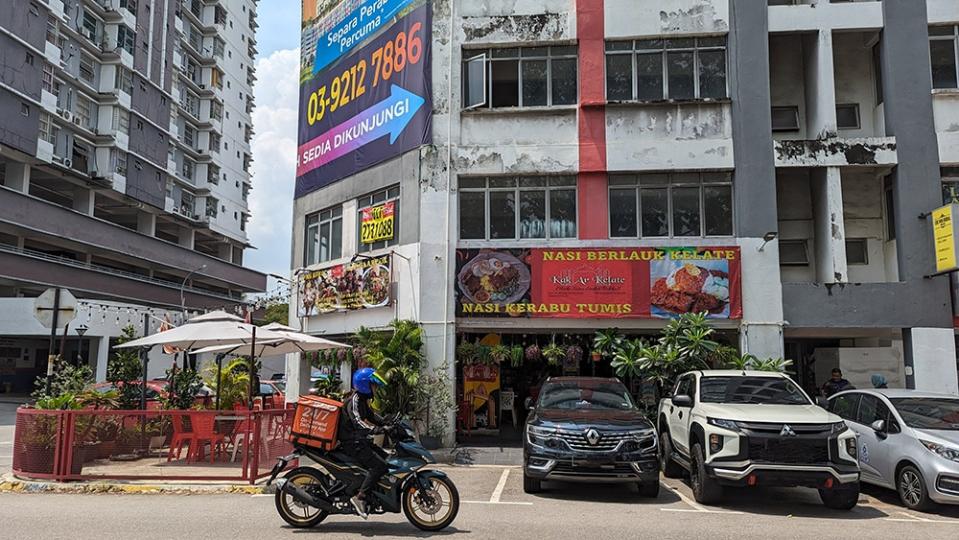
499,353
466,353
605,343
516,356
533,353
39,437
553,354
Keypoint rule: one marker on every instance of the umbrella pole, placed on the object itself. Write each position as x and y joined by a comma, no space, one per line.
252,364
219,369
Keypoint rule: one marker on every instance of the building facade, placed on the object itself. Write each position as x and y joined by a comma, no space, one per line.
807,139
125,165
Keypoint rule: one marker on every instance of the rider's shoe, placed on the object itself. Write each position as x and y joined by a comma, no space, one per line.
360,506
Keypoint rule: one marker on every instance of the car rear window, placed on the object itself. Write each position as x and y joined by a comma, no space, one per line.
747,389
585,395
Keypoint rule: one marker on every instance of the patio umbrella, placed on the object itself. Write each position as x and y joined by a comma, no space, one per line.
293,342
211,329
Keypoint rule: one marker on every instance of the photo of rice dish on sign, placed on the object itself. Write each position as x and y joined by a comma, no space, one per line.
679,287
494,277
375,289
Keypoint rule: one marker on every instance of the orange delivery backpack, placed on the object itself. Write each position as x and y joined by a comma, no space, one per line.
315,422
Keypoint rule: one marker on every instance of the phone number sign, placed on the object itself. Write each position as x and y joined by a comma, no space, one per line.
368,107
376,223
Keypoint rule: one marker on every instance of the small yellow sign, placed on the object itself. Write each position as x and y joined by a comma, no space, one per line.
944,233
377,223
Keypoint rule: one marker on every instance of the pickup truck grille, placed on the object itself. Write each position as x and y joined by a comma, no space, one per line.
789,450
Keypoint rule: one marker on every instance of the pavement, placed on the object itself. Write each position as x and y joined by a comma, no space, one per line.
8,417
493,506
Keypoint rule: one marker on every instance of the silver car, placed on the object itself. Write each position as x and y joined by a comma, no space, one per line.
908,441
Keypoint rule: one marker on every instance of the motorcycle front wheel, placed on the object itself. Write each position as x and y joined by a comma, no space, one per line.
294,512
432,510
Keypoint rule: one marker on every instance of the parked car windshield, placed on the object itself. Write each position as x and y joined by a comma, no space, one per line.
745,389
929,413
585,395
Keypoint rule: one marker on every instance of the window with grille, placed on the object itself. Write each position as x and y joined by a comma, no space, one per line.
520,77
379,198
657,69
653,205
944,53
324,235
510,208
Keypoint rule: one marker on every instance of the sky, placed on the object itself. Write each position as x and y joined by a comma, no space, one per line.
274,145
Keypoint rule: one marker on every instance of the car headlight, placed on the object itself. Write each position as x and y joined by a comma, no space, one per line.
538,435
725,424
943,451
839,427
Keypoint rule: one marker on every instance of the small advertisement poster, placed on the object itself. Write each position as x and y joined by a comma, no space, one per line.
376,223
945,237
600,283
365,86
364,284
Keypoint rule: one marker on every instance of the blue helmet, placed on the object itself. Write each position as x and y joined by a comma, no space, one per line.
363,380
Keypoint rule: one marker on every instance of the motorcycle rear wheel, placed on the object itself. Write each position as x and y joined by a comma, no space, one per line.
300,515
434,516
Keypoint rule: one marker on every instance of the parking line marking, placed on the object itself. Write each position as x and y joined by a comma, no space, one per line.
262,495
699,511
498,492
696,506
515,503
917,518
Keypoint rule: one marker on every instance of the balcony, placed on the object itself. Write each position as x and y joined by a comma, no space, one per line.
35,214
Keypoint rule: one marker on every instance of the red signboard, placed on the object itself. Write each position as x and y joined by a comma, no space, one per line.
600,283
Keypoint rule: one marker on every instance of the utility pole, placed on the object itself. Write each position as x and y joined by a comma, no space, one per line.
145,358
51,357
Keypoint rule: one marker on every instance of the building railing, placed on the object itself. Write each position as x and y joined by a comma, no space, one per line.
231,445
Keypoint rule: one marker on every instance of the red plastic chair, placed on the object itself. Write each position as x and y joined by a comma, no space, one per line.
180,437
204,432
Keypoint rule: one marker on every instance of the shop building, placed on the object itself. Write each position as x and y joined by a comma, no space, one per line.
124,166
785,150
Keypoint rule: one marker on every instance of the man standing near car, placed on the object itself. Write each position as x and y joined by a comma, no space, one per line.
835,384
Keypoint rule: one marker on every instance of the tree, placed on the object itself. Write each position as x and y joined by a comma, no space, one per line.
398,358
125,370
184,386
277,313
233,382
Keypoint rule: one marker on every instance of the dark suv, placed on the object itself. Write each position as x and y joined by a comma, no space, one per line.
587,429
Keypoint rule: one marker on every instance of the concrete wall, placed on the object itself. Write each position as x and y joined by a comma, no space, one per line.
27,22
19,131
628,18
856,80
787,79
862,199
20,67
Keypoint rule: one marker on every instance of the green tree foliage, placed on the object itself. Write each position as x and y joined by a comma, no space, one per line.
66,379
185,384
397,357
125,367
277,313
233,382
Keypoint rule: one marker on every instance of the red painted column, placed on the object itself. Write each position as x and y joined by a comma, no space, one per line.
592,181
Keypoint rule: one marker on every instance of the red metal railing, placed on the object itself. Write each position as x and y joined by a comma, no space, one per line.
238,445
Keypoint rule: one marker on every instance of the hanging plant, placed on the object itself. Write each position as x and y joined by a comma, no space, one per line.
483,355
349,356
466,353
533,353
553,354
574,354
516,356
340,355
499,353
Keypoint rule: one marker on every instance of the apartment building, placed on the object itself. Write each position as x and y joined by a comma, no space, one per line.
125,165
612,163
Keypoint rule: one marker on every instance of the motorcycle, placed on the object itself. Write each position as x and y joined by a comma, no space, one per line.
305,496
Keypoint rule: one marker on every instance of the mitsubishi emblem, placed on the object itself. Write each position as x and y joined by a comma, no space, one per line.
592,436
787,431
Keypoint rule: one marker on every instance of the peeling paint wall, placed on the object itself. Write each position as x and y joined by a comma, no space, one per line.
862,200
632,18
856,81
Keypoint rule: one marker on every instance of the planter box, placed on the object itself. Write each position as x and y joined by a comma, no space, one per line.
37,460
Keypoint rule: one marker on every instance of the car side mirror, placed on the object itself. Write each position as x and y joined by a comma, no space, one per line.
822,402
528,403
879,426
682,400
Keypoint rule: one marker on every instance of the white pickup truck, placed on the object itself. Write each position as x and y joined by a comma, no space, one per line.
752,428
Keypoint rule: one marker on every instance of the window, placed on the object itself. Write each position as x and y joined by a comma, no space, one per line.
655,69
189,136
88,69
944,53
187,169
748,389
877,72
857,251
324,236
46,77
509,208
845,406
890,207
211,207
126,38
520,77
216,110
664,205
120,162
48,130
847,116
376,199
53,31
950,185
793,253
90,26
213,174
871,408
24,109
214,142
85,110
786,118
187,204
125,80
121,121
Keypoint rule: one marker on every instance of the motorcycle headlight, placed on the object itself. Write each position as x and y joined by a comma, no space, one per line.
725,424
943,451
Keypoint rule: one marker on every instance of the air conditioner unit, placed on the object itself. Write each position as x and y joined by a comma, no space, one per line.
67,115
77,120
58,159
203,87
67,162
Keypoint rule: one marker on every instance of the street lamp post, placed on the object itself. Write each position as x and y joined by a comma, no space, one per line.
183,286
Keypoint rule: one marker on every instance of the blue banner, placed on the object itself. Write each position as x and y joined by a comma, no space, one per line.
362,23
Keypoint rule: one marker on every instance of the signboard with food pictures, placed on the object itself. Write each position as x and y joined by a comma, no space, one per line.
363,284
599,283
945,237
376,223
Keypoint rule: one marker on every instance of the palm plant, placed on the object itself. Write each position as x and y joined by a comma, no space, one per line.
605,342
741,362
398,358
777,365
628,357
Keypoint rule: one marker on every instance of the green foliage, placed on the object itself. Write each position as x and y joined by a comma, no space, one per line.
466,352
277,313
516,355
233,382
397,357
183,387
329,386
606,342
62,402
627,357
554,354
434,401
741,362
99,400
66,379
499,353
750,362
125,367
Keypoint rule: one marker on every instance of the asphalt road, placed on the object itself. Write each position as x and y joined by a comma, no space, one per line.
8,413
494,506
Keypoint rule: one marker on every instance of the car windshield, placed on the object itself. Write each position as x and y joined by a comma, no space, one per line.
574,395
929,413
746,389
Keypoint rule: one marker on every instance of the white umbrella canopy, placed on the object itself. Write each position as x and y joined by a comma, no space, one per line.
292,342
211,329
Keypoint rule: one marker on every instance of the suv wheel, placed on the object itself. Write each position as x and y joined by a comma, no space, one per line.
840,499
667,465
648,489
705,489
531,485
912,489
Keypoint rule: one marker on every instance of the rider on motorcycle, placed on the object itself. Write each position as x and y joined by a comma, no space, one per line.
357,425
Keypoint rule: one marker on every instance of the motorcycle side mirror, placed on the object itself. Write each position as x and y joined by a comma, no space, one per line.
528,403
